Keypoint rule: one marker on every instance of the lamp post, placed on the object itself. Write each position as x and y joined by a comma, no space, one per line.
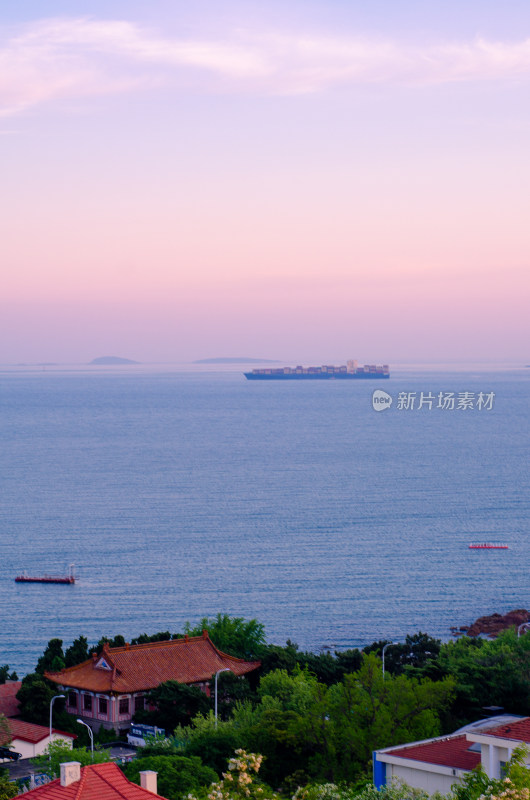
55,697
522,627
388,644
216,674
81,722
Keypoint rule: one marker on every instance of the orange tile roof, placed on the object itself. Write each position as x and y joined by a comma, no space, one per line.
8,700
98,782
142,667
450,752
518,731
29,732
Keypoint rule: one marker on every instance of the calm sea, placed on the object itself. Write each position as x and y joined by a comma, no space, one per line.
183,494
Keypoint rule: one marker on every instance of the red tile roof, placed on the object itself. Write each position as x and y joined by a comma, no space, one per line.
8,701
518,731
29,732
142,667
452,751
98,782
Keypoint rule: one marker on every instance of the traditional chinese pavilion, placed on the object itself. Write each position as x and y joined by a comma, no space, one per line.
107,689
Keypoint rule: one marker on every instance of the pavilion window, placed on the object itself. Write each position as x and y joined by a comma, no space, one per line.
72,699
103,705
124,705
87,702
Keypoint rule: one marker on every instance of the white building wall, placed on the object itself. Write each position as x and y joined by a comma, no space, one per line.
494,757
31,749
430,782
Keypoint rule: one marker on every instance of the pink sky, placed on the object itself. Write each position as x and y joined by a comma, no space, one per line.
317,185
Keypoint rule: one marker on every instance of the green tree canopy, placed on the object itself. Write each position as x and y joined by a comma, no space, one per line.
175,704
5,732
232,689
274,656
213,742
304,727
348,661
116,641
278,726
5,675
34,697
161,636
488,672
295,692
177,775
233,635
368,711
77,652
60,751
52,660
411,655
7,788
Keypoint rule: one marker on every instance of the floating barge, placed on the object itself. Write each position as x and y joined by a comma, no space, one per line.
25,578
487,546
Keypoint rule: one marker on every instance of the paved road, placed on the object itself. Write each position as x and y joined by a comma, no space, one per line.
19,769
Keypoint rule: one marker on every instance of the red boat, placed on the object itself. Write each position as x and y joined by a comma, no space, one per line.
488,546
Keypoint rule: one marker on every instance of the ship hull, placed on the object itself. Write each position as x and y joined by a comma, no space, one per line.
43,579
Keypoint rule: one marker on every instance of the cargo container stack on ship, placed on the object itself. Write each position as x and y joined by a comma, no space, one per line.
349,371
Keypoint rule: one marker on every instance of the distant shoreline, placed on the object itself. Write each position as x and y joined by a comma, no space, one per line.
111,361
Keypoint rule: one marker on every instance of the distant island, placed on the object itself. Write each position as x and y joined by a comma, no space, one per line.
106,360
237,360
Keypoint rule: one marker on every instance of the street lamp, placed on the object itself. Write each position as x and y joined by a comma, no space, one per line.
522,627
388,644
81,722
55,697
216,674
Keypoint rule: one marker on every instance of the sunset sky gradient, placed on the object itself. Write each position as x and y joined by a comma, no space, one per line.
307,181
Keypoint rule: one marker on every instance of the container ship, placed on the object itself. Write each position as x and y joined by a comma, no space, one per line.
349,371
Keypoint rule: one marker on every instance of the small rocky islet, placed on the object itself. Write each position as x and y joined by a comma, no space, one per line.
492,624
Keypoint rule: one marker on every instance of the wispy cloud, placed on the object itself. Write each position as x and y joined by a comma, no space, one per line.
73,58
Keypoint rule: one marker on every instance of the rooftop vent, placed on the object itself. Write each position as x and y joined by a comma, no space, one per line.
493,711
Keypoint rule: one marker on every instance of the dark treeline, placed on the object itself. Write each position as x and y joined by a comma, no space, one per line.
5,675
